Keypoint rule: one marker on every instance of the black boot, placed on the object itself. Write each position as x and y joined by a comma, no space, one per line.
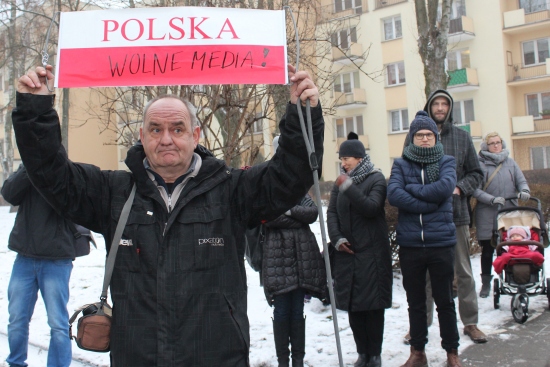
281,333
361,360
485,285
298,341
374,361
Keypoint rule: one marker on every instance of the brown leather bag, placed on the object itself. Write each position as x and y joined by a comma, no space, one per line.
94,327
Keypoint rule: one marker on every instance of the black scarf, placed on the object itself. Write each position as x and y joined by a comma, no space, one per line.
363,169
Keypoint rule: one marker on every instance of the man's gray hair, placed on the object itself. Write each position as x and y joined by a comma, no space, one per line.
192,109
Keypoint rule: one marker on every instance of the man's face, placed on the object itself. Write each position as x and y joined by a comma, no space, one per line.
439,109
168,138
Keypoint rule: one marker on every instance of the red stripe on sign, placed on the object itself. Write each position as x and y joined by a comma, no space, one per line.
171,65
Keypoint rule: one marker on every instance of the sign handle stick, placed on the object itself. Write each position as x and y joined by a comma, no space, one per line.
308,138
45,55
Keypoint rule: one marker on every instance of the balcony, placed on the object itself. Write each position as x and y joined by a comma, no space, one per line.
461,29
474,128
362,138
348,56
528,124
385,3
347,101
327,13
462,80
516,21
518,75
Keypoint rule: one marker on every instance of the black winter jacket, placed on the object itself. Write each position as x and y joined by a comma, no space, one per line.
363,281
38,230
458,143
179,283
291,257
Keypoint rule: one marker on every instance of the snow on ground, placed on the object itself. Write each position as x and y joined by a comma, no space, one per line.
87,279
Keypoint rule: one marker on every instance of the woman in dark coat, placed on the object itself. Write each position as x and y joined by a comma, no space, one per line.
292,266
421,187
357,228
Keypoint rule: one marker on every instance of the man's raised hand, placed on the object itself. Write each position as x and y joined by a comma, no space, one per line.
302,87
34,81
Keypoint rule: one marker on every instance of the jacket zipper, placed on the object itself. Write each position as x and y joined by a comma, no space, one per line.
169,211
421,224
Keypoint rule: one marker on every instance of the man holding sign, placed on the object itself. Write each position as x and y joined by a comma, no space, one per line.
179,282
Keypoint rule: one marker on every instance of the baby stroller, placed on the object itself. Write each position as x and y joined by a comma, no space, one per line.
520,278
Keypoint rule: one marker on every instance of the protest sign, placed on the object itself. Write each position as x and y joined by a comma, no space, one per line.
171,46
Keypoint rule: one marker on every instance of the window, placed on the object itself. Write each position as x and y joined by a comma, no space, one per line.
531,6
392,28
537,102
540,157
535,52
344,38
458,9
258,125
463,112
341,5
396,73
346,125
346,82
399,120
458,59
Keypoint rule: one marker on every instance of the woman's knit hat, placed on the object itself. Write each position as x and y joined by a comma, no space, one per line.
352,147
422,122
518,230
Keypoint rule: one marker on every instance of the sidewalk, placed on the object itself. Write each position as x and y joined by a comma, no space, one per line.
516,345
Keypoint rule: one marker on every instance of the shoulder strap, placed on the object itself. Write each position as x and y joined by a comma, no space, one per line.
110,263
492,176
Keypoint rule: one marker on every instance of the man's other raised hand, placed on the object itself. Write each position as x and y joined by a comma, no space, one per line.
34,82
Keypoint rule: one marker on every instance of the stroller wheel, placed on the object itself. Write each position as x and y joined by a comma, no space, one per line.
496,294
520,307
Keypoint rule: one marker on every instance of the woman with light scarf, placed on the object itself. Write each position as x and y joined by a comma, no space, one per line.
508,182
362,263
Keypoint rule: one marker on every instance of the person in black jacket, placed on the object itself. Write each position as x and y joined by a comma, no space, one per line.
179,285
45,248
362,266
420,186
292,267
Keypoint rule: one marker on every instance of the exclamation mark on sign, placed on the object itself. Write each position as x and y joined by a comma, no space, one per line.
266,51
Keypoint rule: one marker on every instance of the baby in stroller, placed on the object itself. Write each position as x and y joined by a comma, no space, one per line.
527,251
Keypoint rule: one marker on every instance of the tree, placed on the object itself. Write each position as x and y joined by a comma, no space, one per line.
432,41
231,116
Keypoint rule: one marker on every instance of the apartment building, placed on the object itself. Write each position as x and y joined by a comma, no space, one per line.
498,64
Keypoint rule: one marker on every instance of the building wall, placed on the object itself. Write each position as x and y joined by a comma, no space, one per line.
495,99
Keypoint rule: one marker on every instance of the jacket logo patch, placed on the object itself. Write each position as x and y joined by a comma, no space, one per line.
211,241
124,242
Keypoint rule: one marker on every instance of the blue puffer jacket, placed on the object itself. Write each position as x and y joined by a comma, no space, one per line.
425,210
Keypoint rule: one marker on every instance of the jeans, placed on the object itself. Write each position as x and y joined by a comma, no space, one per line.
289,306
467,296
51,277
439,262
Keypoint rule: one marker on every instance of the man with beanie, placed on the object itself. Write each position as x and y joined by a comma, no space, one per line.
421,186
458,143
